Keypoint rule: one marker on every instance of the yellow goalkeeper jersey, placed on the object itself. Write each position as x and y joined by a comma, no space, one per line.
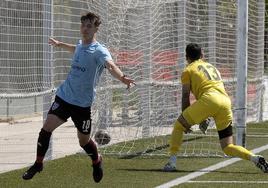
203,77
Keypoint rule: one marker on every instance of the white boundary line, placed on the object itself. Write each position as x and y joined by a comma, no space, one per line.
222,182
203,171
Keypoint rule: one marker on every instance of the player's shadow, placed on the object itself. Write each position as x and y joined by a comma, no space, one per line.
156,149
145,170
150,170
186,171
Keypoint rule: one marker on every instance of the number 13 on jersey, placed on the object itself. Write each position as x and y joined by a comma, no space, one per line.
210,72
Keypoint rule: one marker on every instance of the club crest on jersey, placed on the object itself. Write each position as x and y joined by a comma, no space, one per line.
55,106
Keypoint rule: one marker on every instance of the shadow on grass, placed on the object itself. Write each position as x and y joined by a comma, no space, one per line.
148,170
137,154
186,171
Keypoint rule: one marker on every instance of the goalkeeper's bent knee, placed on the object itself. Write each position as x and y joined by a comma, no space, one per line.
237,151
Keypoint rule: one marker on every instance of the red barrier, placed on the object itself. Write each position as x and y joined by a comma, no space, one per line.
165,65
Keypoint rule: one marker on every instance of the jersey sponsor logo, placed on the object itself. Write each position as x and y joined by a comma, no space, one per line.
55,106
76,67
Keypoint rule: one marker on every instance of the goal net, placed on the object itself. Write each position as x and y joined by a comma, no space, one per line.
147,40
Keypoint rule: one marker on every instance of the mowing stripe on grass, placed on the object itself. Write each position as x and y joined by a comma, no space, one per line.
222,182
203,171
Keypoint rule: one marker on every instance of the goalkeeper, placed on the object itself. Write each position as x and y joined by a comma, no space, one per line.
75,95
204,81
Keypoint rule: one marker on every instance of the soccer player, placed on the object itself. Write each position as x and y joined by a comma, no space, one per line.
76,94
204,81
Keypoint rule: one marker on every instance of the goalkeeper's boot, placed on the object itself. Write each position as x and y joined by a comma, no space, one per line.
170,167
261,163
97,170
29,174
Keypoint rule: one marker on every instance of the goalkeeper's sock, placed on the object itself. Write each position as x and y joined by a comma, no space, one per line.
91,149
238,151
176,138
42,145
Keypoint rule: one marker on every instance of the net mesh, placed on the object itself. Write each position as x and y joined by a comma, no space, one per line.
147,41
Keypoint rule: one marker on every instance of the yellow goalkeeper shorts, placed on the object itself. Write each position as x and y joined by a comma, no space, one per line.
212,104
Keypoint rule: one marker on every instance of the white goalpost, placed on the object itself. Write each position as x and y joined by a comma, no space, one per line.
242,65
147,39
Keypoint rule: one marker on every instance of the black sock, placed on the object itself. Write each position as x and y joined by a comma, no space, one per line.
42,145
91,149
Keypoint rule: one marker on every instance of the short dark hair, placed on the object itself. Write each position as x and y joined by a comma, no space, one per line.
193,51
94,18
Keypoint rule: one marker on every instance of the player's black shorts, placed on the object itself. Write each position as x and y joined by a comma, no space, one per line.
80,116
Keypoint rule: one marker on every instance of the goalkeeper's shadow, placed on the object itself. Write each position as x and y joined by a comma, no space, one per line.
184,171
145,170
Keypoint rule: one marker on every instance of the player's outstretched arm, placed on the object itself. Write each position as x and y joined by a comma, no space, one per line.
66,46
117,73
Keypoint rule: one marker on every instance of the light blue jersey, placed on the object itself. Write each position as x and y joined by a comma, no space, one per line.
88,63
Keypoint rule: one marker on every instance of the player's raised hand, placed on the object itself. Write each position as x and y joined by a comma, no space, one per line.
53,42
66,46
128,81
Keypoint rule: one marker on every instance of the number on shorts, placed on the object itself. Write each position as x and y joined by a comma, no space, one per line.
86,125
